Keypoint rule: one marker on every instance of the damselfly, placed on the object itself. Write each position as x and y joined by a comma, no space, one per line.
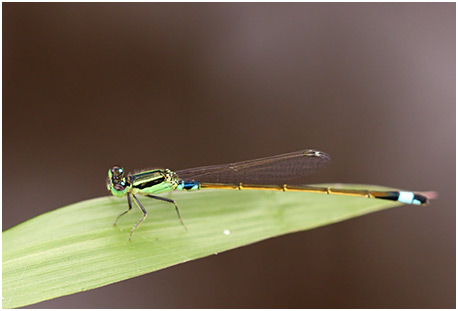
269,173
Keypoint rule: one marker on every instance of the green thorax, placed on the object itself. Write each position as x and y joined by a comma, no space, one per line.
147,182
154,181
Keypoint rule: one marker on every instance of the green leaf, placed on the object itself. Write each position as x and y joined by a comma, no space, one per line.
76,248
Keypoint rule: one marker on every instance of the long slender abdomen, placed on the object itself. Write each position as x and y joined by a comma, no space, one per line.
405,197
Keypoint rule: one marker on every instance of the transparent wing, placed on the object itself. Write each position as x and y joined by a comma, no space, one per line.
271,170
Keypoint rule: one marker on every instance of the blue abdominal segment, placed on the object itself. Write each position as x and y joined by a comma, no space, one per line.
406,197
411,198
188,185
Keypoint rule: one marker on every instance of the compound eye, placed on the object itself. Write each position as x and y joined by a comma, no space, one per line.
117,171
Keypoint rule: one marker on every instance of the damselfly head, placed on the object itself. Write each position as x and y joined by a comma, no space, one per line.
117,184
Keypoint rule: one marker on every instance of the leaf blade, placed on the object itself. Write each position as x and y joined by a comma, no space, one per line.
76,248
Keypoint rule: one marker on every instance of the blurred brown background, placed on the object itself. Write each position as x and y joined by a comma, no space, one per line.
86,86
